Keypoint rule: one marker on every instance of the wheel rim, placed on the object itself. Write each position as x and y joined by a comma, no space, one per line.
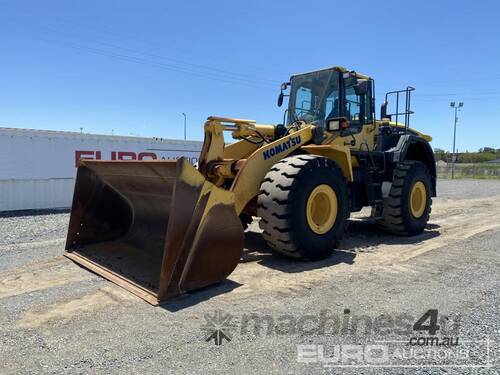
418,199
321,209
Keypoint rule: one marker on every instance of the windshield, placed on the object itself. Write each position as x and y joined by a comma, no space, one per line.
314,97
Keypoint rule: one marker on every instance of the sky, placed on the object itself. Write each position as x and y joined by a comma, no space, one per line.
133,67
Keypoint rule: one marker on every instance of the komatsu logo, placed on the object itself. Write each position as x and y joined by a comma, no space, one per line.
292,142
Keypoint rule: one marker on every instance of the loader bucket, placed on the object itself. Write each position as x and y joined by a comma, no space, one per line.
156,228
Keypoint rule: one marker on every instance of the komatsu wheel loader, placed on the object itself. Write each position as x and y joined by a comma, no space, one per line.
162,228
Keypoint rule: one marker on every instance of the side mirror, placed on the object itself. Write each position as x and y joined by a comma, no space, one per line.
280,99
361,87
283,87
383,111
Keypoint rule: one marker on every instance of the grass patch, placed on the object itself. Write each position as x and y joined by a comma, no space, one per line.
490,171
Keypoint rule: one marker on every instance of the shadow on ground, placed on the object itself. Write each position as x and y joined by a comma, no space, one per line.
361,236
256,250
41,212
364,235
200,295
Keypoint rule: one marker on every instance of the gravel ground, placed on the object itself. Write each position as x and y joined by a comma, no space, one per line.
453,189
58,318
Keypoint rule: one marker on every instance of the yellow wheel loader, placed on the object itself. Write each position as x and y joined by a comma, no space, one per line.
162,228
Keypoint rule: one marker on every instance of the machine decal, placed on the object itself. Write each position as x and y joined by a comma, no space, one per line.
292,142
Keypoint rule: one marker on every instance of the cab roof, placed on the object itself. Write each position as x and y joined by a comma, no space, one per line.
338,68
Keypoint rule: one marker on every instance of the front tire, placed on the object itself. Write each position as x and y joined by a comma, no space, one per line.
406,211
303,205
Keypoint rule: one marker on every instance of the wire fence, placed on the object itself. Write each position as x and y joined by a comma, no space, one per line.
470,170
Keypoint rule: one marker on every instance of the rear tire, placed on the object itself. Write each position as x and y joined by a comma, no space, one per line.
303,205
406,210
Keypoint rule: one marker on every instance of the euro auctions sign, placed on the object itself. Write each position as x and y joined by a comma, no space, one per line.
27,154
127,155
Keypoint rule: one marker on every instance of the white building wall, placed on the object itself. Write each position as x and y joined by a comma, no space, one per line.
36,194
38,168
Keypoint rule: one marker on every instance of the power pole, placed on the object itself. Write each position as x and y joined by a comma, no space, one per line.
184,125
454,156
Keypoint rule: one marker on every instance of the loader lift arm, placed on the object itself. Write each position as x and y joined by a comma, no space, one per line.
250,161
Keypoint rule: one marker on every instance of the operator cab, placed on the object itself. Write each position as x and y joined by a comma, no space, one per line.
333,98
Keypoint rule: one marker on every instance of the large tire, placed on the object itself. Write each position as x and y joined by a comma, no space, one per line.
286,197
398,214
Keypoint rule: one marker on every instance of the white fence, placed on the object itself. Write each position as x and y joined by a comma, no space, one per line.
38,168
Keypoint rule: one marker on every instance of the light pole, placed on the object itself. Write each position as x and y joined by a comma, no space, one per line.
454,157
184,125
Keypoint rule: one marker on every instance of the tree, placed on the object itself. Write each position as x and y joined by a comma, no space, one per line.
487,149
440,154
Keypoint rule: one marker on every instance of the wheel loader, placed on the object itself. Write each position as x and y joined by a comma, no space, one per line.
163,228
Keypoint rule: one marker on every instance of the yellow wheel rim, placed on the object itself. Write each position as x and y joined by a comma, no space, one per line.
418,199
321,209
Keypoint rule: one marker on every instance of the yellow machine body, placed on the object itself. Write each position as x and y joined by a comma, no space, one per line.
162,228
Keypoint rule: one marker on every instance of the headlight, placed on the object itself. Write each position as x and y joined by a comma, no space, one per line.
333,125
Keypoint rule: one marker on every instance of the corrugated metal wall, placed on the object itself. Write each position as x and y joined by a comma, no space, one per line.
38,168
36,194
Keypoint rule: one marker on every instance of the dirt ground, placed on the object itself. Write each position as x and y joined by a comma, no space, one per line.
56,317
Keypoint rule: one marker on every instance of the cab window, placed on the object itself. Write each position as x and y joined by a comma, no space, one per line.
353,106
357,107
332,104
314,96
303,101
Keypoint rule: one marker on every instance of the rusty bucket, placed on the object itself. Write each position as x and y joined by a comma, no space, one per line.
156,228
